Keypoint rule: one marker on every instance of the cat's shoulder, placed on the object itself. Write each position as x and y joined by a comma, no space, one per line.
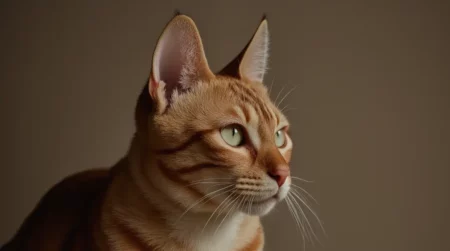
61,210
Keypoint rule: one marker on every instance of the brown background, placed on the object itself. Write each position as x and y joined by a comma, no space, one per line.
371,118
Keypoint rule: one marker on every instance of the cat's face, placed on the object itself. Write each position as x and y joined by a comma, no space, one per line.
217,135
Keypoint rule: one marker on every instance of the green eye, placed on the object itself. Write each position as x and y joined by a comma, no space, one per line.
280,139
232,135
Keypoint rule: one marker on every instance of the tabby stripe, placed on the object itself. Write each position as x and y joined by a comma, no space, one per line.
245,93
238,93
245,99
198,167
147,179
193,139
218,154
268,114
132,236
275,120
194,168
278,119
272,113
246,113
173,176
237,112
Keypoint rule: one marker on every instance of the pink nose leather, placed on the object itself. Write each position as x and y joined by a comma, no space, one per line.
279,175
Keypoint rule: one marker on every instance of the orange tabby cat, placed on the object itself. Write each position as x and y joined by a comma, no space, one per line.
209,157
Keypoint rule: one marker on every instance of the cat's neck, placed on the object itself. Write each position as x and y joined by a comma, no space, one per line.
207,232
151,207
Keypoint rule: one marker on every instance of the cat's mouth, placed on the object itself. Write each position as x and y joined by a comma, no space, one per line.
265,201
276,198
261,207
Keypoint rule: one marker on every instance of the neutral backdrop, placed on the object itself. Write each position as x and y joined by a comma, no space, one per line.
370,109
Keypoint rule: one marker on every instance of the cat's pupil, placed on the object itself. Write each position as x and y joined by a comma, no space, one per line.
278,134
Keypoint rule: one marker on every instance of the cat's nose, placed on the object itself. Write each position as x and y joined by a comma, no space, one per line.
279,175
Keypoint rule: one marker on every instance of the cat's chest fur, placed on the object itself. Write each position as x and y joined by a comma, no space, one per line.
216,235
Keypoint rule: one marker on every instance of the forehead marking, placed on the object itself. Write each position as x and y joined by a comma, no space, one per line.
240,113
250,120
254,109
247,94
252,126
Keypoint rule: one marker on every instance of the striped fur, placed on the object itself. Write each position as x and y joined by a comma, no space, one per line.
152,198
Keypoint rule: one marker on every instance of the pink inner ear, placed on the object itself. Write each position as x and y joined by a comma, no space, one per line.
179,59
153,86
170,62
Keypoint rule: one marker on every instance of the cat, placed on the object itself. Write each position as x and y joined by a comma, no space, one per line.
209,157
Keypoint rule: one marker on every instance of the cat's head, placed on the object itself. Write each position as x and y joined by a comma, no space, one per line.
215,134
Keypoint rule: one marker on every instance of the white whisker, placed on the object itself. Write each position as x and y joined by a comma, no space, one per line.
311,210
231,209
286,108
205,197
298,222
294,214
212,179
229,204
276,99
306,192
207,182
286,95
225,200
297,178
308,231
271,85
251,203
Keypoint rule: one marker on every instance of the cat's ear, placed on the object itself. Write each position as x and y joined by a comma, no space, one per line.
251,63
179,62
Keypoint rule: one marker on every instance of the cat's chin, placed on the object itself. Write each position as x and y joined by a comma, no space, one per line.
261,208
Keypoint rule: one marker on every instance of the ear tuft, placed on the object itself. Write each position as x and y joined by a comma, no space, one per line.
176,12
264,17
